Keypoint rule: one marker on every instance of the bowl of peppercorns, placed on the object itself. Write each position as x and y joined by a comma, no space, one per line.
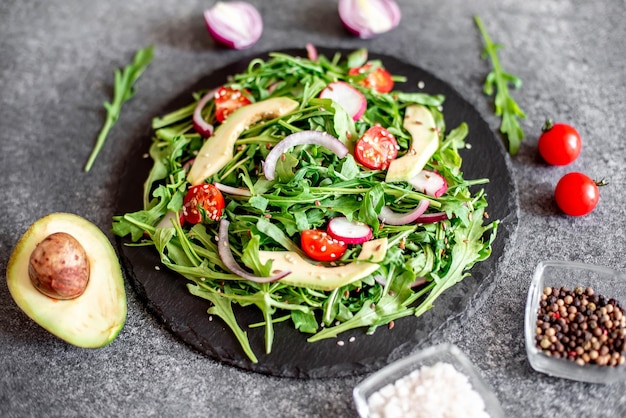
575,325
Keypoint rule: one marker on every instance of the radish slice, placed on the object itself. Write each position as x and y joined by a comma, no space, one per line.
429,182
300,138
223,249
393,218
238,191
352,100
201,126
350,232
431,218
368,18
235,24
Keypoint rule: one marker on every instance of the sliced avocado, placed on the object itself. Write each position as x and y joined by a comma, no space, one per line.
419,122
95,317
305,274
217,151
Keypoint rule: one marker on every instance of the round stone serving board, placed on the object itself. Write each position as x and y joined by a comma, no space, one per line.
166,295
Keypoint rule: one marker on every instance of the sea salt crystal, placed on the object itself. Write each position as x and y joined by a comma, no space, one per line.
432,391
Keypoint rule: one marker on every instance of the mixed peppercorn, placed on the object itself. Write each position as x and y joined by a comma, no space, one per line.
581,326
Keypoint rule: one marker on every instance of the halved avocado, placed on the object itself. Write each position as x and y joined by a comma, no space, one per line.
94,318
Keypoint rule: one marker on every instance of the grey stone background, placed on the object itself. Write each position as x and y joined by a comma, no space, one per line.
56,64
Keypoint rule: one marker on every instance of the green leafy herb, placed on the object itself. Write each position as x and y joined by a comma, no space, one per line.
123,91
498,81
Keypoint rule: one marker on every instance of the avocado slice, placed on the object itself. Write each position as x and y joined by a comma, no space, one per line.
318,277
95,317
420,123
217,151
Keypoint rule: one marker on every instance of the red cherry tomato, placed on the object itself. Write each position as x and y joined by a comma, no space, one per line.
320,246
376,78
559,144
576,194
376,148
202,203
227,100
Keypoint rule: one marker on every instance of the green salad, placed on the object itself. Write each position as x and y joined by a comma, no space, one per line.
314,190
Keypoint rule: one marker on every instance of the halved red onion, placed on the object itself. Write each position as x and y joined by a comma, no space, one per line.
350,232
300,138
429,182
352,100
368,18
235,24
390,217
238,191
201,126
223,249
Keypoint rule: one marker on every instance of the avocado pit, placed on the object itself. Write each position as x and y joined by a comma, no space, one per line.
59,267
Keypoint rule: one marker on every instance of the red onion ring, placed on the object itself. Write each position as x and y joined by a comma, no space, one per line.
238,191
430,218
235,24
300,138
223,249
201,126
393,218
368,18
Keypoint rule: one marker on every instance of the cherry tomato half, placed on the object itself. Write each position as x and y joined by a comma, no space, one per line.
559,143
376,78
376,148
227,100
576,194
202,203
320,246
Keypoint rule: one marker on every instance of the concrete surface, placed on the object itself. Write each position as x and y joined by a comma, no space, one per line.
56,63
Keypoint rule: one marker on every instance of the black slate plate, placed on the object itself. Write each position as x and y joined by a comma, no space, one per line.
292,356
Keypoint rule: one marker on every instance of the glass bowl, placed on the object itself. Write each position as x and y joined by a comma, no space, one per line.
448,354
604,281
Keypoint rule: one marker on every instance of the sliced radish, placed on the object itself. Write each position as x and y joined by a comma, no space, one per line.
430,183
350,232
352,100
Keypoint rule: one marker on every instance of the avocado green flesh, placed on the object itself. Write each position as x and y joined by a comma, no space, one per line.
305,274
419,122
94,318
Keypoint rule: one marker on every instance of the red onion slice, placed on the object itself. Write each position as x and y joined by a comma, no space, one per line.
235,24
393,218
223,249
201,126
300,138
431,218
238,191
311,52
368,18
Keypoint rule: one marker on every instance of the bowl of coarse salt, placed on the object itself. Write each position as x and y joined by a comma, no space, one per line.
439,381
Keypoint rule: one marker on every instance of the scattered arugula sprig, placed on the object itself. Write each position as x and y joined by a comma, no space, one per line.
123,91
498,80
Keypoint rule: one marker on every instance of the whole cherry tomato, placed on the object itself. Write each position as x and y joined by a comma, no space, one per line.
376,148
376,77
577,194
320,246
203,202
559,143
227,100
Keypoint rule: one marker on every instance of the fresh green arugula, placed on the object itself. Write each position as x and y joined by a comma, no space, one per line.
498,82
123,91
313,186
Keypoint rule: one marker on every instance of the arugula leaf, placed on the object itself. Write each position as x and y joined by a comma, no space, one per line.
498,81
123,91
